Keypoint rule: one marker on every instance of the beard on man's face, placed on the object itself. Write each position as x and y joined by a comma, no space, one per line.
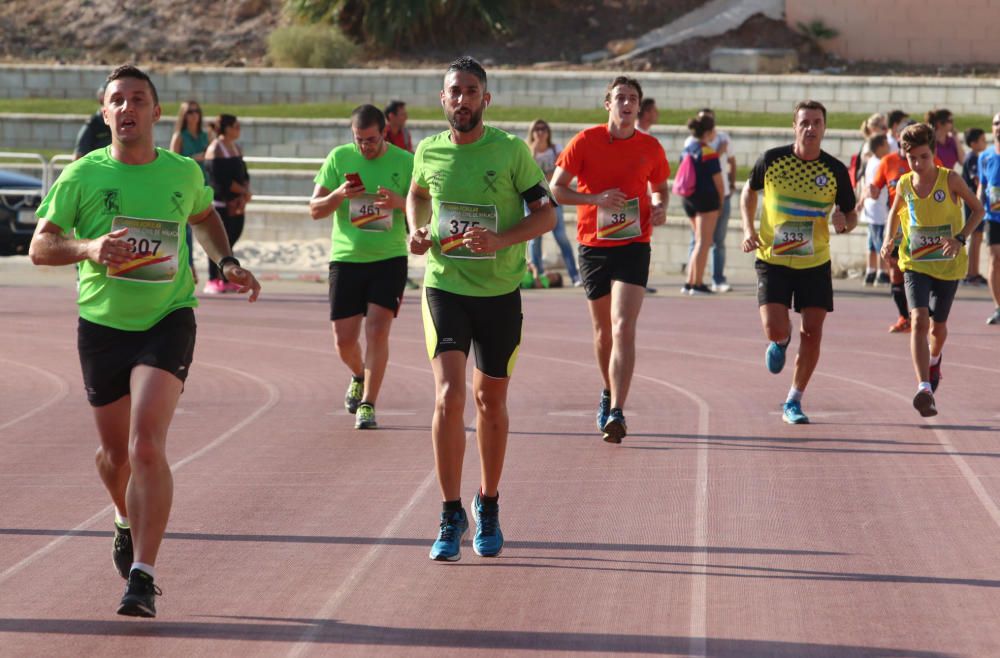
464,120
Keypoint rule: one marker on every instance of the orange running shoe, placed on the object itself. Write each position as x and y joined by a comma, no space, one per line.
902,326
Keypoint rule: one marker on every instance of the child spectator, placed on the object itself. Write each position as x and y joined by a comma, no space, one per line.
875,211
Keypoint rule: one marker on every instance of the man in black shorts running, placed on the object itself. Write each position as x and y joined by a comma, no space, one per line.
128,205
801,184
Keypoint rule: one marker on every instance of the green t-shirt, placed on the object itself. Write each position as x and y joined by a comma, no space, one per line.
88,196
474,184
363,233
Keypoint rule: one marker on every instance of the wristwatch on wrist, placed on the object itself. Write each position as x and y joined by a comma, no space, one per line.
961,238
228,259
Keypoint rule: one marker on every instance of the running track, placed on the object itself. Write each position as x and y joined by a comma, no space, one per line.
714,530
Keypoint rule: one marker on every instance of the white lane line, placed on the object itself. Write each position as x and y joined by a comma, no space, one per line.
362,567
697,628
273,396
62,389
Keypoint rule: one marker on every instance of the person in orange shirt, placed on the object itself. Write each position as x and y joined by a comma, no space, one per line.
622,193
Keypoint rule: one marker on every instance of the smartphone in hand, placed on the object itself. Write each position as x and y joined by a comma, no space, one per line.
354,180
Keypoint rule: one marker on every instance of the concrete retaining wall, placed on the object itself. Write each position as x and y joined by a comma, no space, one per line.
526,88
315,137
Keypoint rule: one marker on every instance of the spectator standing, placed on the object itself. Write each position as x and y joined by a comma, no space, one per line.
720,141
395,126
702,207
897,120
648,115
875,211
989,189
975,139
545,153
190,140
94,134
947,149
228,176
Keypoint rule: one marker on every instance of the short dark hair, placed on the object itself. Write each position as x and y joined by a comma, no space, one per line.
973,135
222,122
467,64
393,107
917,135
366,116
623,80
809,105
895,116
646,105
707,110
129,71
936,117
876,142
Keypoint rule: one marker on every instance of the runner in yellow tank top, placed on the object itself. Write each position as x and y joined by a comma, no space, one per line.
932,255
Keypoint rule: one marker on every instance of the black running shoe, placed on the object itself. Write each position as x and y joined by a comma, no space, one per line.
935,375
122,552
140,596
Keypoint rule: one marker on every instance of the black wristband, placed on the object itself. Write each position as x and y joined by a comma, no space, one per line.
228,259
961,238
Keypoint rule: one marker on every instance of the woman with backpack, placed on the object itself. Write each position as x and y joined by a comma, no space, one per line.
699,183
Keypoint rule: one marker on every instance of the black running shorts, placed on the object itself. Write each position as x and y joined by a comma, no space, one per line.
926,291
808,288
599,266
696,204
107,355
992,233
492,325
355,285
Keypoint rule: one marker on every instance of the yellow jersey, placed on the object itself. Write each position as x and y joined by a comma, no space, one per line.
926,221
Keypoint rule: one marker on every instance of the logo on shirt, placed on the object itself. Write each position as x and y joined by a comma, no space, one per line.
396,179
111,201
939,196
434,180
491,179
822,180
178,202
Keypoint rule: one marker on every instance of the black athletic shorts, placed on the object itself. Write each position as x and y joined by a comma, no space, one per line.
926,291
107,355
811,287
992,233
492,325
355,285
696,203
599,266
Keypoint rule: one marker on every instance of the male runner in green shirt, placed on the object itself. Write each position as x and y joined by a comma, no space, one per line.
367,250
471,183
128,205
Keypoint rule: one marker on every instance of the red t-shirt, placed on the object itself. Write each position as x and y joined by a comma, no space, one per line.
401,139
600,164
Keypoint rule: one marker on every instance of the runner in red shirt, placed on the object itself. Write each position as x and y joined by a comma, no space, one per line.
621,194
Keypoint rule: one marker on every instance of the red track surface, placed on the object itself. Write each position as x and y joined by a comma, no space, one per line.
714,530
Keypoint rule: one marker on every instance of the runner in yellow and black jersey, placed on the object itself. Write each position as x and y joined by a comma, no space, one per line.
801,185
928,206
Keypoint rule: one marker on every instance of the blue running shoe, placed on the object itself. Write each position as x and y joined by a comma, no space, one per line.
615,429
488,541
775,357
792,413
448,546
603,410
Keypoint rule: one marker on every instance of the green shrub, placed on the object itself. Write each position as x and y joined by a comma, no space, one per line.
392,24
310,47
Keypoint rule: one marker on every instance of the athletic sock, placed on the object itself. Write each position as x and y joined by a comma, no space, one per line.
121,521
935,359
899,296
452,505
784,343
358,378
145,568
869,271
925,386
489,500
606,393
794,395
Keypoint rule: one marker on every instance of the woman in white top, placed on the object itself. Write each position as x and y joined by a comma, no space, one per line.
545,154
